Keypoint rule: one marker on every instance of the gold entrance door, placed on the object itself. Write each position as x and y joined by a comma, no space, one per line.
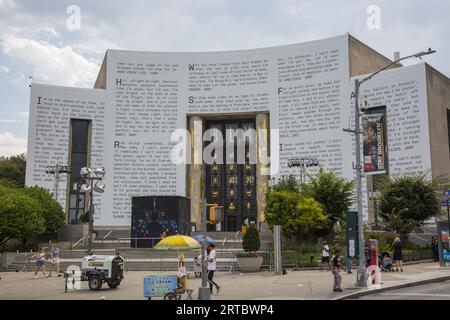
232,185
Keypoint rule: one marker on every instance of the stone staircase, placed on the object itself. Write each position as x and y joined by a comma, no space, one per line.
118,238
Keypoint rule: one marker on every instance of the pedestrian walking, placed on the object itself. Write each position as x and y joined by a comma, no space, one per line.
435,249
335,269
211,251
398,254
326,255
348,258
54,260
40,262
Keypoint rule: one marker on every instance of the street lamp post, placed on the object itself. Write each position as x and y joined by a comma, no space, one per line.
57,170
204,292
89,175
361,274
303,163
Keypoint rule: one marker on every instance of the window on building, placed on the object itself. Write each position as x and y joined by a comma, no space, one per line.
78,159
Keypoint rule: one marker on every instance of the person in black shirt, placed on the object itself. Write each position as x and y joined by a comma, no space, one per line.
435,249
398,254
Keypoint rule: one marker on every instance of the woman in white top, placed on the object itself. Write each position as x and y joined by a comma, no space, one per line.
326,255
212,267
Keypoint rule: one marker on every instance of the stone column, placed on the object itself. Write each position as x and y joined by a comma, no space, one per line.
262,169
195,179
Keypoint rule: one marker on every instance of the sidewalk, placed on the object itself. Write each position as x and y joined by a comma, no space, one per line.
414,274
312,284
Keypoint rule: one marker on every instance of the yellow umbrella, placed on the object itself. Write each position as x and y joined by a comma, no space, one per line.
177,242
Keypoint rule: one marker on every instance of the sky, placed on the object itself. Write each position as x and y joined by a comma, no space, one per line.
64,42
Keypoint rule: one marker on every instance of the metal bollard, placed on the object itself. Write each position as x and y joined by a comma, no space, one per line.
66,279
66,276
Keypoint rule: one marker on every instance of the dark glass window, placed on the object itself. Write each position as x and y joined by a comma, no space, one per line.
78,156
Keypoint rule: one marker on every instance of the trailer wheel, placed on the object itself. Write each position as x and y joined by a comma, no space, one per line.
95,283
170,296
197,274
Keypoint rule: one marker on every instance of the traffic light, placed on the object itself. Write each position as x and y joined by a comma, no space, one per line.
212,214
215,213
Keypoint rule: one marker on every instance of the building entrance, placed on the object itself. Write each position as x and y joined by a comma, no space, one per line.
232,185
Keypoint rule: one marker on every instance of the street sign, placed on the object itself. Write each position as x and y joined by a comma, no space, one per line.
445,199
159,286
352,233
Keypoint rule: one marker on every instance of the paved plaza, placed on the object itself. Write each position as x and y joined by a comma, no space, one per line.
262,285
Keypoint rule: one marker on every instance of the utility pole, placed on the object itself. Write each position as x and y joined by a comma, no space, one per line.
91,217
277,250
203,292
56,181
88,176
361,274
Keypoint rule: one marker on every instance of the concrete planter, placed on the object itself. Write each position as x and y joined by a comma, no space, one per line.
250,263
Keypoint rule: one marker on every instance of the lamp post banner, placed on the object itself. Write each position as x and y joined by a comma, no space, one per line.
374,144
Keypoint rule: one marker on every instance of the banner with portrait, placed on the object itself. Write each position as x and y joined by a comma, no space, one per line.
374,144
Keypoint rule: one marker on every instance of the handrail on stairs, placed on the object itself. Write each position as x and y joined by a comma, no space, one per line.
224,241
235,237
107,235
76,243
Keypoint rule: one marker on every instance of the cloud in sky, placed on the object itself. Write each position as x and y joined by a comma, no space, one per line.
35,41
7,3
11,121
11,145
48,62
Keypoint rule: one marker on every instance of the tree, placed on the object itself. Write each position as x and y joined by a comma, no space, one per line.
251,241
399,224
9,183
13,169
20,216
299,216
287,183
51,212
333,192
409,200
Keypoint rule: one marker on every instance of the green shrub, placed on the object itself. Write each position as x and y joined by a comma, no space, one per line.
85,217
251,241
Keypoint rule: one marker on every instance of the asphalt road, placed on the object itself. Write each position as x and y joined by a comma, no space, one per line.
430,291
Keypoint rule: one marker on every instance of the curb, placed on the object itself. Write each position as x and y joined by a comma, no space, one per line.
392,287
418,262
